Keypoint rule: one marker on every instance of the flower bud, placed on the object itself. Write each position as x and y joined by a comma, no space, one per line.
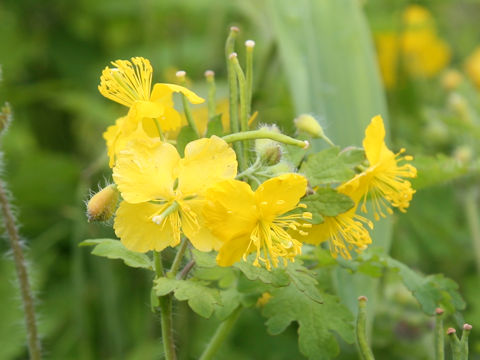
269,151
307,124
451,79
102,205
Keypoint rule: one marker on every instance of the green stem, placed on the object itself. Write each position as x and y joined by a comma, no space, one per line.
364,348
22,274
178,259
189,116
455,345
243,101
210,76
249,44
220,335
265,134
464,340
471,212
439,336
165,305
233,94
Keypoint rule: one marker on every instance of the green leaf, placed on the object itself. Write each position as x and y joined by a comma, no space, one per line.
294,154
304,280
316,321
326,167
328,202
204,259
185,136
114,249
352,156
275,277
436,170
231,299
215,126
201,298
430,291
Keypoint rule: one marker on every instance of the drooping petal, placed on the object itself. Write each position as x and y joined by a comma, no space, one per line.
231,210
280,194
128,81
137,231
146,170
206,162
232,251
163,92
194,227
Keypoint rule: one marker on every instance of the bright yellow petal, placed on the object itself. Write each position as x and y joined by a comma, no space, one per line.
231,210
163,92
206,162
233,250
146,170
146,109
194,228
280,194
135,228
111,136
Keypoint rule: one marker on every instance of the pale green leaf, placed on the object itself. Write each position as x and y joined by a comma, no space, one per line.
328,202
114,249
275,277
215,126
185,136
201,298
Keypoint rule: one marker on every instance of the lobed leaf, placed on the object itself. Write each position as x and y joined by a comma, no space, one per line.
275,277
328,202
201,298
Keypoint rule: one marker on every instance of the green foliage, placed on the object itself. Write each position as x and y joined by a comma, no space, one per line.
327,202
435,170
114,249
276,277
317,321
327,167
201,298
185,135
215,126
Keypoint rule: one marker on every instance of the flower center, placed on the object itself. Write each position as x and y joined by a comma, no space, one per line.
127,82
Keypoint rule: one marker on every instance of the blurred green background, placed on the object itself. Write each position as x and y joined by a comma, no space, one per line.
52,54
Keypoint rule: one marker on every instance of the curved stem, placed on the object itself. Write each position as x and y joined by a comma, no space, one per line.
364,348
265,134
220,335
22,274
178,259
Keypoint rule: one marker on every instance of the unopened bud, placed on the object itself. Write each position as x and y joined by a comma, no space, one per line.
451,331
269,151
451,79
264,299
102,205
307,124
439,311
463,154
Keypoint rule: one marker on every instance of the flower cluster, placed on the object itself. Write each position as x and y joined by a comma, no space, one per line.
201,197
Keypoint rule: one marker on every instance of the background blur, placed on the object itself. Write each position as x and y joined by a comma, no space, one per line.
52,53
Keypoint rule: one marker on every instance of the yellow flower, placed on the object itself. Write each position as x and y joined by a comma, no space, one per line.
164,194
345,232
384,179
247,221
472,67
130,83
388,52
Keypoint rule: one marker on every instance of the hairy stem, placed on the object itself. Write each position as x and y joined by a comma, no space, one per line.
265,134
364,348
220,335
22,274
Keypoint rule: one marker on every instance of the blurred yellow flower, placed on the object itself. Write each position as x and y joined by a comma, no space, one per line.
472,66
164,194
247,221
384,179
417,48
130,83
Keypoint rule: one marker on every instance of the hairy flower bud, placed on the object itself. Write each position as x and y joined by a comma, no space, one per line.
307,124
102,205
269,151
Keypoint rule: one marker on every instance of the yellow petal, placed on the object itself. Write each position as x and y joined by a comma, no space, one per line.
280,194
163,92
374,141
197,232
233,250
206,162
146,109
135,228
231,210
111,136
146,170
